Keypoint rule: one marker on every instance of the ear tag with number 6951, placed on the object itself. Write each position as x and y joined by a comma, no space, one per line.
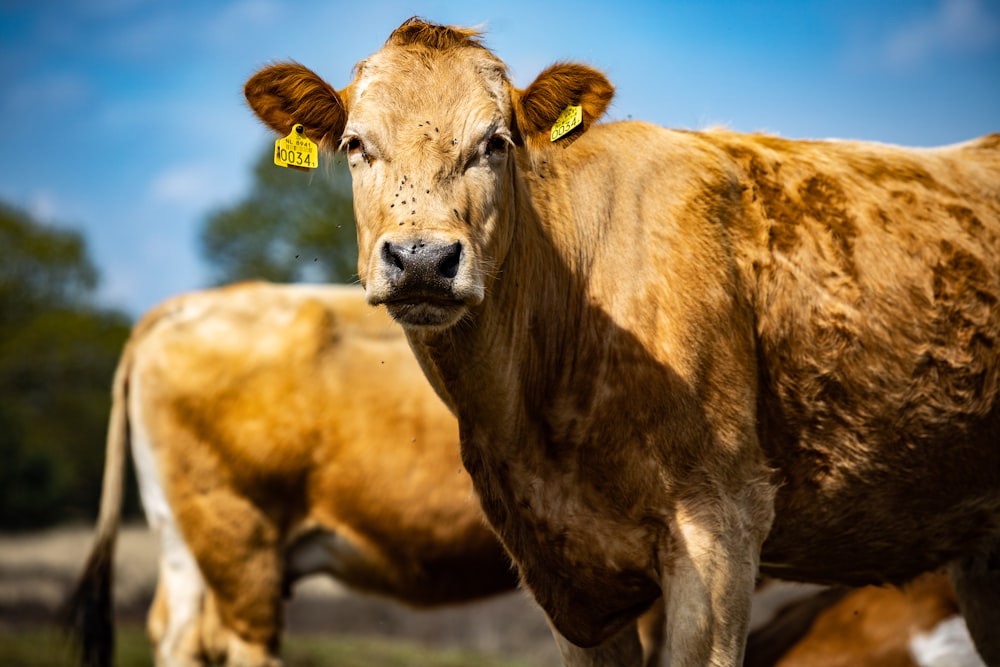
296,151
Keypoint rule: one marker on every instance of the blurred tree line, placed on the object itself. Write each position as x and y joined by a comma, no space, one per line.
57,352
59,348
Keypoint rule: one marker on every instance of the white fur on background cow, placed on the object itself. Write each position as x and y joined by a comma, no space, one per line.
179,573
947,645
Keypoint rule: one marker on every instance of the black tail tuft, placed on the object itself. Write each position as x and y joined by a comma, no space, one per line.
87,615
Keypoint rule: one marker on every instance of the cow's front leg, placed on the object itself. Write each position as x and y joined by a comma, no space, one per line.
621,650
709,582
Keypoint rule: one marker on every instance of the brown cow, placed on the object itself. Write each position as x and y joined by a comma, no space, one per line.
916,625
280,431
678,357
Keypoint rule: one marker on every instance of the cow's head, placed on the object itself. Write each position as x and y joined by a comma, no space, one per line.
429,125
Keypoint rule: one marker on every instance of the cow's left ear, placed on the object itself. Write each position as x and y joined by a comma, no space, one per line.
287,94
537,107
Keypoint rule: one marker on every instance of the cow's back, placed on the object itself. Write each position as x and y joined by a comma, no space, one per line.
225,360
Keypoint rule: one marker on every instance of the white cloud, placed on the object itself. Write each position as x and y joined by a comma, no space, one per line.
957,26
40,202
196,187
42,206
191,186
158,31
149,36
119,286
232,23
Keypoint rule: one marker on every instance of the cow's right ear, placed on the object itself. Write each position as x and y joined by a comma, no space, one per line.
538,106
285,94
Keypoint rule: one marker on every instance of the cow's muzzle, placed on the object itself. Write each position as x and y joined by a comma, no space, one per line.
422,282
418,268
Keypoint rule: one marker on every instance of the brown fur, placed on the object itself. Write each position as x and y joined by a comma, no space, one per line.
659,344
421,34
293,94
872,626
281,417
540,104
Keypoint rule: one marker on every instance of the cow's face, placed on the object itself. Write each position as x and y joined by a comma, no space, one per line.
429,125
429,143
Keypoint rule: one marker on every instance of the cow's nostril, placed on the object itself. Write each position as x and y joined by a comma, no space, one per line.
391,255
449,264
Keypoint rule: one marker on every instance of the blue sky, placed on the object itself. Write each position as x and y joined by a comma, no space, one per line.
125,118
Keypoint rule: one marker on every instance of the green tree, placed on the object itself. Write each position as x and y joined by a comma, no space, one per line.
293,227
57,356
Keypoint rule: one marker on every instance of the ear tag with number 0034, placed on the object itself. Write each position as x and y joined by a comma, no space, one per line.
568,119
296,150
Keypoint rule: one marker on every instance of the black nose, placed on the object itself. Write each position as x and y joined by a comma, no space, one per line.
421,267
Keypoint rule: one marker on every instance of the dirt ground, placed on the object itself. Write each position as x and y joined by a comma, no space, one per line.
38,570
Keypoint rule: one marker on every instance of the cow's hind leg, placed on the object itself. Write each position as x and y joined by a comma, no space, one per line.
174,618
238,550
976,580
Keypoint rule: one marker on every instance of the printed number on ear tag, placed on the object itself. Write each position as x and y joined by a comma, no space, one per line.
296,151
568,119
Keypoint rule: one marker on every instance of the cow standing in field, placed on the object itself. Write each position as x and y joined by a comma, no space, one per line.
277,432
678,358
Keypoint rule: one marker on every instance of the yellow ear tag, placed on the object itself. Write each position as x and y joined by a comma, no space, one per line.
568,119
296,150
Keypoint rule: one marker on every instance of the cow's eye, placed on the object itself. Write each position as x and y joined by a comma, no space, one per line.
353,146
497,145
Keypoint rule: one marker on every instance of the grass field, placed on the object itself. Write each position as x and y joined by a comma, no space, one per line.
46,647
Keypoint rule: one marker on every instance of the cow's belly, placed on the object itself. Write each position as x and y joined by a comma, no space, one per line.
884,488
327,551
421,574
878,532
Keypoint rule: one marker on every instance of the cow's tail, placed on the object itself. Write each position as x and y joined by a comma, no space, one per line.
89,611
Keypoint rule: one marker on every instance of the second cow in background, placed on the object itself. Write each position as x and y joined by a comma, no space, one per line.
262,458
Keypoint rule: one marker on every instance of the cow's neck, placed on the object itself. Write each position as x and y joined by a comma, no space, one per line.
523,371
523,349
533,375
